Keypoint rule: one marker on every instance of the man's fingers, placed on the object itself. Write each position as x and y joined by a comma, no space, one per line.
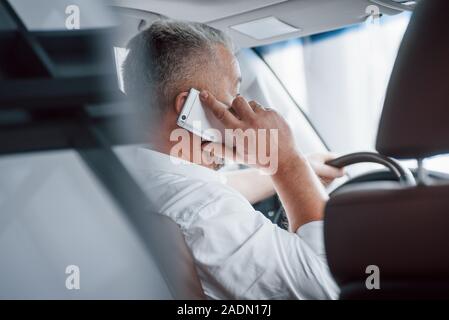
219,109
329,156
332,172
256,106
318,162
242,108
220,150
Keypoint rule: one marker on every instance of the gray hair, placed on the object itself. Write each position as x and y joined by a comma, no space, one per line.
167,55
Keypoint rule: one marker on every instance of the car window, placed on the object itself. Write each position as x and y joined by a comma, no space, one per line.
260,84
438,163
339,80
55,214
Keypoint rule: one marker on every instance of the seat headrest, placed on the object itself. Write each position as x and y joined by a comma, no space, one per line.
415,116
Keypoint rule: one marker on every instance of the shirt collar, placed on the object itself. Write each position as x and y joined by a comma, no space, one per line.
152,161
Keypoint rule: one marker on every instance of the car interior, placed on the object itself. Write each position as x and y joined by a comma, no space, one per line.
364,79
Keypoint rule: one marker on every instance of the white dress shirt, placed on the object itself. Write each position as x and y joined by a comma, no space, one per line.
239,253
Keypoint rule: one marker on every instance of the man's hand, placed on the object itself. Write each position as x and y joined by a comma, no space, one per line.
298,187
326,173
250,118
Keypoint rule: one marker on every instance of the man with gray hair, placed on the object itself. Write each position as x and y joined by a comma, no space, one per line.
239,254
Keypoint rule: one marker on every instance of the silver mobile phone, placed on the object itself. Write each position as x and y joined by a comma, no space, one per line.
194,118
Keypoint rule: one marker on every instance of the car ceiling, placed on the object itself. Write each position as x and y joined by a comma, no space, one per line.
310,16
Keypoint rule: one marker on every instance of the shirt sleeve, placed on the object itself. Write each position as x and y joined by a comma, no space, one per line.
312,234
240,254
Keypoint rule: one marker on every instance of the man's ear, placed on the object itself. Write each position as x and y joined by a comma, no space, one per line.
180,100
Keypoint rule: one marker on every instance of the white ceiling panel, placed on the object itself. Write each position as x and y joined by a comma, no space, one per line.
306,16
197,10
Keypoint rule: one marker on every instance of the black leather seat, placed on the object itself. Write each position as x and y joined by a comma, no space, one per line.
404,231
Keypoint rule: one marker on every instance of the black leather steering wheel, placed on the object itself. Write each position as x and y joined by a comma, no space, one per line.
400,172
395,172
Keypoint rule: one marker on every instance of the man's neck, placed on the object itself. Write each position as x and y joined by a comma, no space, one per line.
166,147
159,140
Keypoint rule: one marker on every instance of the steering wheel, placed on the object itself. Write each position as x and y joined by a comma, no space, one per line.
396,171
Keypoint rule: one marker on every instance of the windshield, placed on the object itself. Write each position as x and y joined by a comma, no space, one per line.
339,80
